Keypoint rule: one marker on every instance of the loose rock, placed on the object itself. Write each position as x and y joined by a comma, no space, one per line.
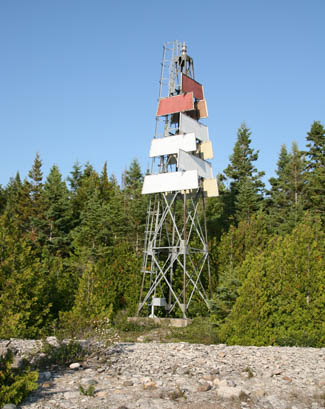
75,365
204,387
182,376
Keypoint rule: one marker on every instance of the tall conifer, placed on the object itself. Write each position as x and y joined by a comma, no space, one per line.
58,213
134,204
37,209
246,186
315,168
286,196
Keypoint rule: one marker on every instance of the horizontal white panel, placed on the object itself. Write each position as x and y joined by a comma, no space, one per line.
169,182
186,161
171,144
189,125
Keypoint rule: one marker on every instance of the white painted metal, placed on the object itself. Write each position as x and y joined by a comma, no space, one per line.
189,125
159,302
172,269
171,144
188,162
169,182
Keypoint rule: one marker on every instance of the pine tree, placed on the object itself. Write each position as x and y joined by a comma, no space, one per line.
105,185
75,178
83,185
18,206
12,191
247,201
297,183
37,209
58,213
245,180
135,204
2,200
36,176
118,216
93,235
286,198
315,168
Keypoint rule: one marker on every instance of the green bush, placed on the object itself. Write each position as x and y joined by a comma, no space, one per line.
15,385
282,301
63,355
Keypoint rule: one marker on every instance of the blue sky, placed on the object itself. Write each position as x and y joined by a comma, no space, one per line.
79,78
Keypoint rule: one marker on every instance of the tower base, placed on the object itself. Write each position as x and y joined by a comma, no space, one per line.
164,322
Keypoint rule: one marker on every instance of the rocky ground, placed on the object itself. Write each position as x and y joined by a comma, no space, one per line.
180,375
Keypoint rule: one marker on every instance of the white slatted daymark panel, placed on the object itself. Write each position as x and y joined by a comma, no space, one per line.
169,182
189,125
171,144
186,161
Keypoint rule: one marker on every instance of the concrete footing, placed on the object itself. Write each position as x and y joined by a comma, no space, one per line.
168,322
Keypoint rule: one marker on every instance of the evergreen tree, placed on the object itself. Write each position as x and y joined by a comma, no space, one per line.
58,213
297,183
103,287
18,206
133,178
216,213
15,385
93,235
37,207
282,300
25,292
62,278
83,185
249,237
111,195
35,179
247,201
315,168
2,200
75,178
105,185
118,217
7,240
12,191
246,188
286,198
135,204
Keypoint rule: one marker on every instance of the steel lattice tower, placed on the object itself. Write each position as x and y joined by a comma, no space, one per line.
175,266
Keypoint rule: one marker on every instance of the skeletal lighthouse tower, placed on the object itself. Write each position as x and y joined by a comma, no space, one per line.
175,268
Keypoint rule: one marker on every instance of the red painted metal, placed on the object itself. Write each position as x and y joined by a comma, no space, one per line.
179,103
189,85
